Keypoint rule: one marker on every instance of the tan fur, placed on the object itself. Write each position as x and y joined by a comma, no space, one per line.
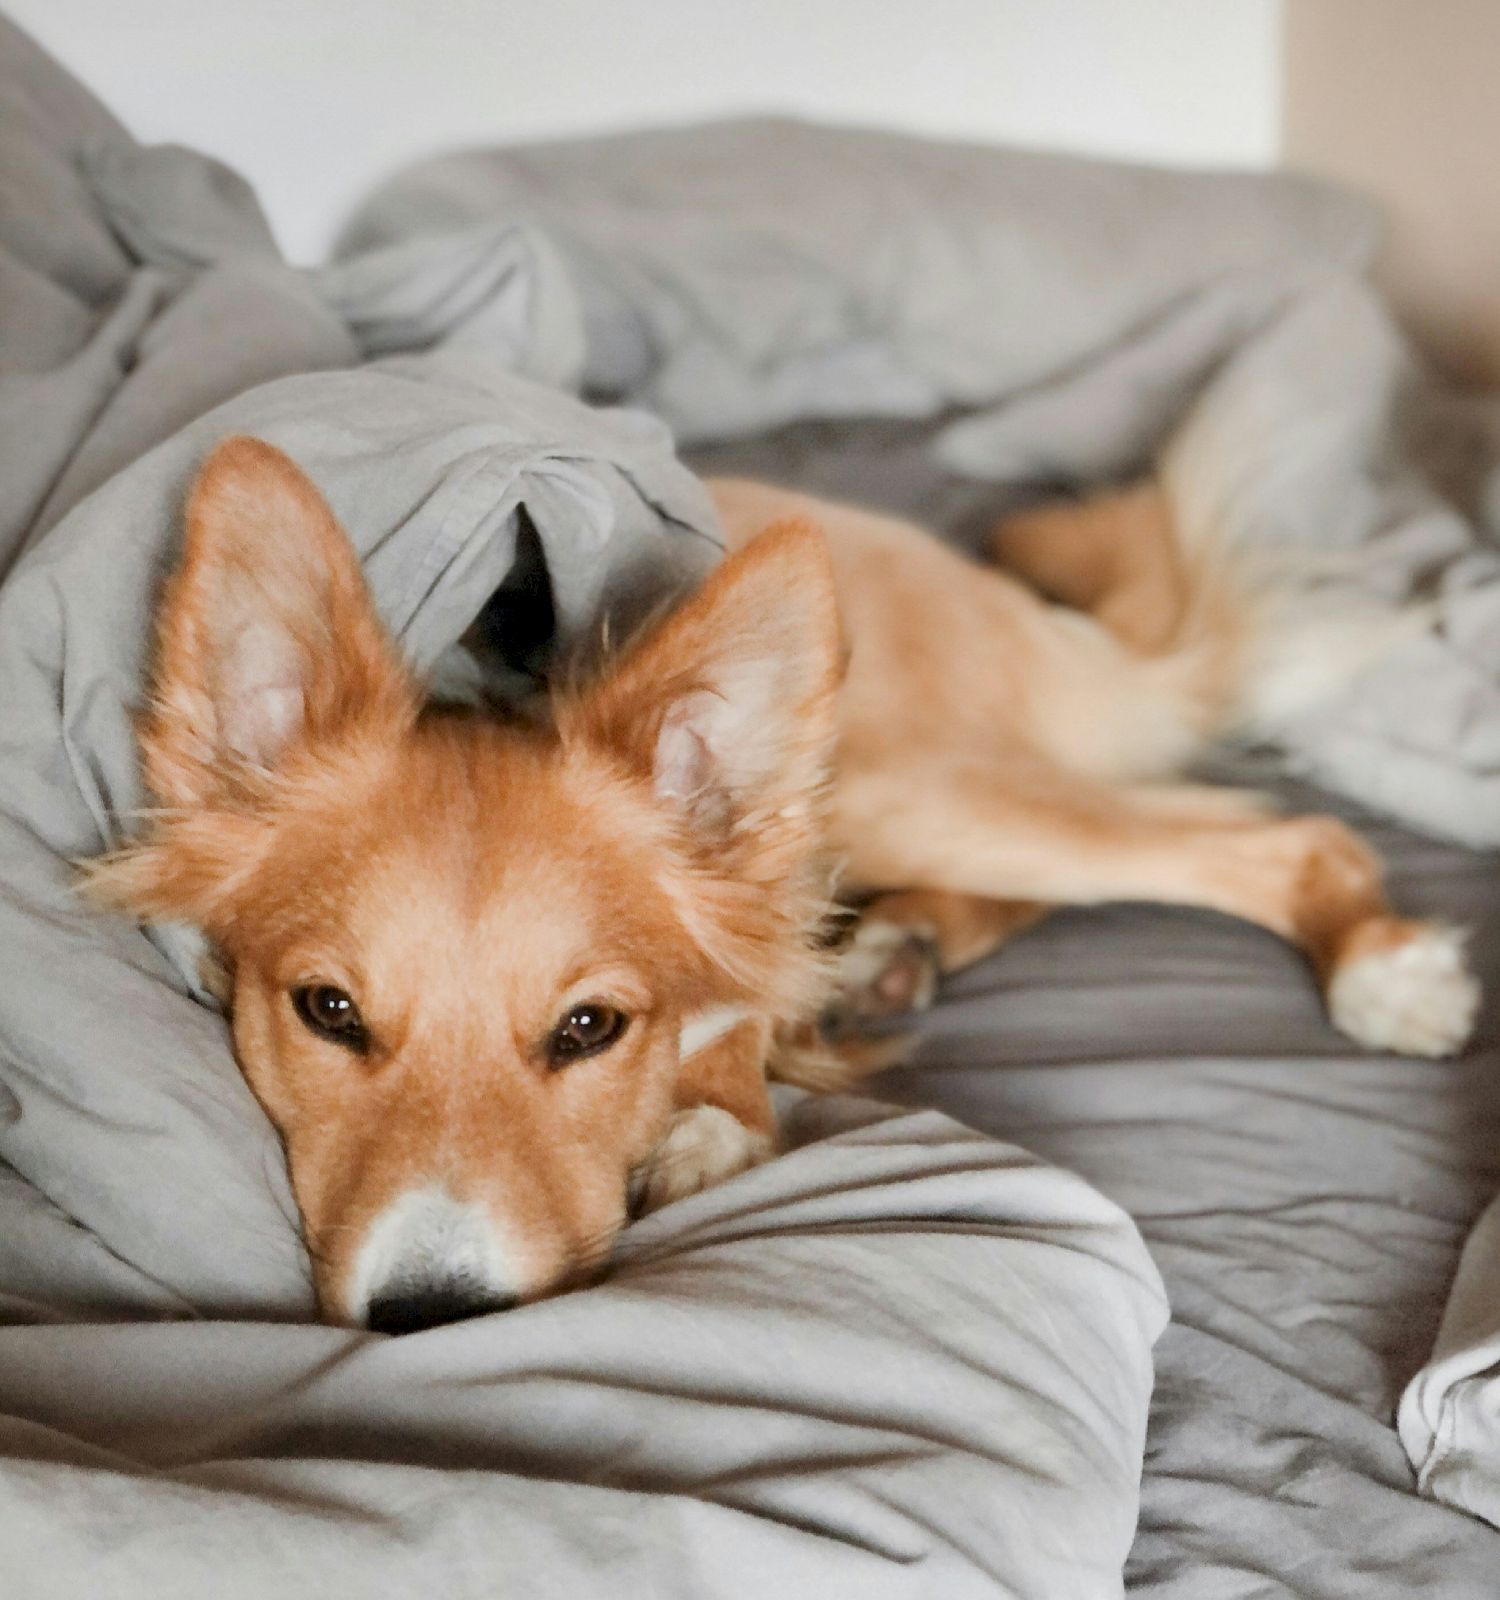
963,929
999,754
467,881
661,842
1114,557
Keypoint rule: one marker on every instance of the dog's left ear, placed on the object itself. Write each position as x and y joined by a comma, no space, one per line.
268,637
729,704
268,642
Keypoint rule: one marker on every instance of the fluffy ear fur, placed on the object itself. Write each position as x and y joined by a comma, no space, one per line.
727,710
186,869
268,637
268,645
729,704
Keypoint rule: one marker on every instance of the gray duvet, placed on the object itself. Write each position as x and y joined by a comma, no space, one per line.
908,1359
1085,320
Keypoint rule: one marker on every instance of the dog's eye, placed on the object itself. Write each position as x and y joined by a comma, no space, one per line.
331,1014
587,1029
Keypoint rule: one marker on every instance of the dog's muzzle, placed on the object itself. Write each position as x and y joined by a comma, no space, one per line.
430,1259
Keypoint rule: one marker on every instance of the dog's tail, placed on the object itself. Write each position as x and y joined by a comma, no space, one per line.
1237,643
1312,627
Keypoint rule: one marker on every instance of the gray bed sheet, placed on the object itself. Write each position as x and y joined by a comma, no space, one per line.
1305,1202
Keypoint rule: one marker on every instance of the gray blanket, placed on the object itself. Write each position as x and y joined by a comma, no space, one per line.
1307,1203
1090,319
905,1360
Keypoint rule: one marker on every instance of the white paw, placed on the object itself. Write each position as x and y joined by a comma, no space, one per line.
1417,998
704,1146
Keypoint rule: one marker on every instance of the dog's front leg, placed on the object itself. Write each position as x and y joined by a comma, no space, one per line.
723,1124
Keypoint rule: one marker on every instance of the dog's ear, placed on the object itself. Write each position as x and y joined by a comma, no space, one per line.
729,704
267,633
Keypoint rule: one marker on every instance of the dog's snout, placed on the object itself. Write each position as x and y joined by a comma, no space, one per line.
410,1310
427,1259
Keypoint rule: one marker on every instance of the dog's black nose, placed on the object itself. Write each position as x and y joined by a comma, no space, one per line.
429,1305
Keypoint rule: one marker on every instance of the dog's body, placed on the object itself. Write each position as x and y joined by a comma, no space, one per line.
1000,755
486,978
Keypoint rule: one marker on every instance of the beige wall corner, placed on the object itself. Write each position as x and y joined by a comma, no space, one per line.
1399,98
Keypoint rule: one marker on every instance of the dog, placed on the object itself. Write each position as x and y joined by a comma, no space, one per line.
1012,738
499,982
485,978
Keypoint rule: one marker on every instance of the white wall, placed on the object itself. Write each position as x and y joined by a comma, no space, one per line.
314,99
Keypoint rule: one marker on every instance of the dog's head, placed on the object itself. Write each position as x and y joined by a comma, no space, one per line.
459,953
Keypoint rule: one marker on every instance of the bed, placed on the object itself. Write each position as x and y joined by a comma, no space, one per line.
1306,1204
913,1357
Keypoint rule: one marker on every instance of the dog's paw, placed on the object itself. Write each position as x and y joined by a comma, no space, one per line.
1405,987
704,1146
886,968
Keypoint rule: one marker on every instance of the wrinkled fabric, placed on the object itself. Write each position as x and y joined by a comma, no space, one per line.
739,275
1450,1412
1306,1201
1086,320
902,1360
906,1359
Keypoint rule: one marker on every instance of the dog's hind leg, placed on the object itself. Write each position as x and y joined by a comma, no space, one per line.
1114,556
1014,831
903,943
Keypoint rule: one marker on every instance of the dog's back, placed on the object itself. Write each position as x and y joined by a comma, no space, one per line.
947,653
1001,753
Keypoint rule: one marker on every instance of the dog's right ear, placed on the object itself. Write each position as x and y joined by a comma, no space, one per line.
729,704
267,637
